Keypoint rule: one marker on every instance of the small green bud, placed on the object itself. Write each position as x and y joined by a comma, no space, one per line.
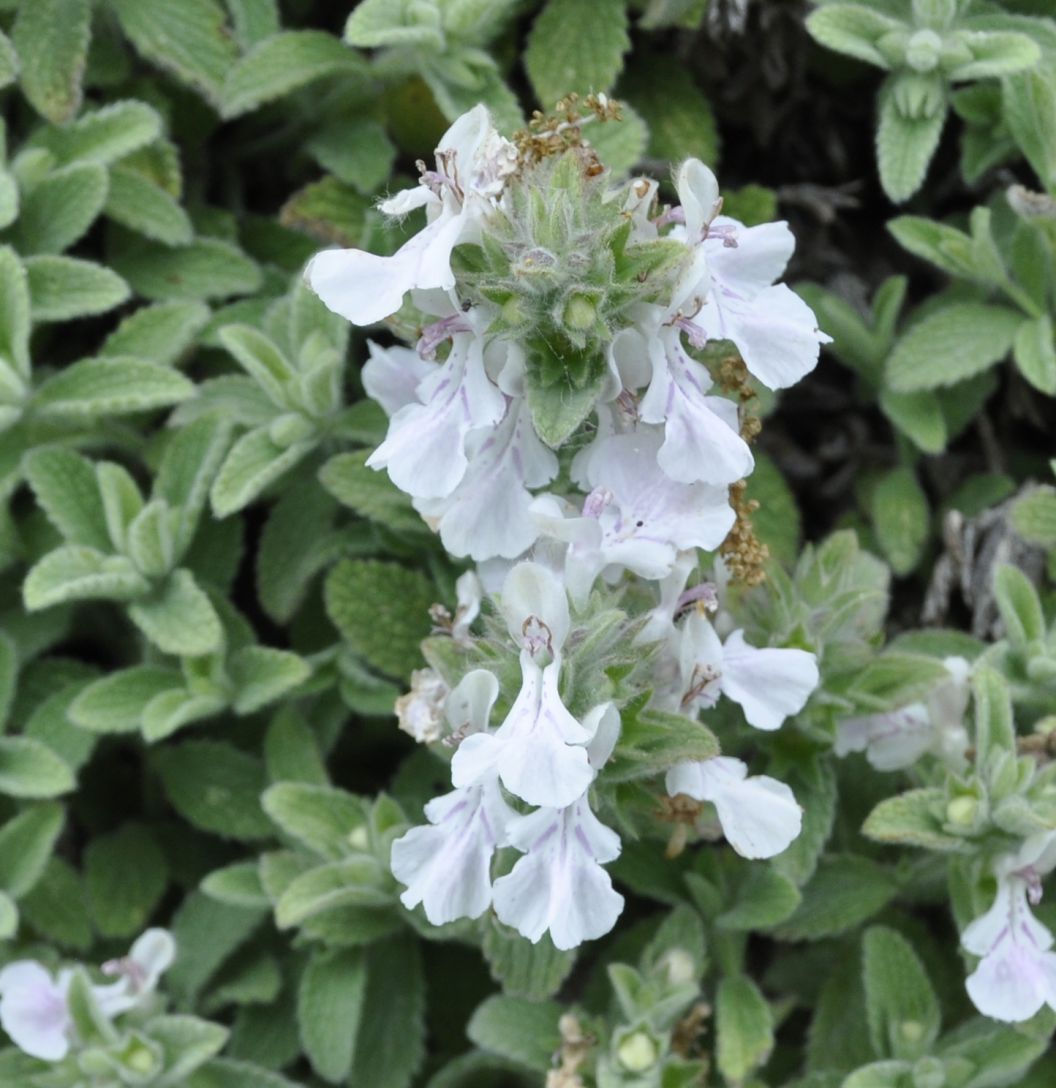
288,429
923,51
637,1052
513,312
929,1073
677,964
962,811
139,1059
358,838
580,313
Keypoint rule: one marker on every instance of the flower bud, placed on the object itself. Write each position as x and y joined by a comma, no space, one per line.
637,1051
923,51
962,811
580,313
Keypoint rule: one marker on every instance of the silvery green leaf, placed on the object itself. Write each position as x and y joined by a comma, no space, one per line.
78,573
102,136
371,494
115,703
178,618
283,63
26,842
744,1024
30,769
1034,353
171,710
329,1007
323,819
918,416
186,1043
994,53
8,676
121,499
901,518
913,818
8,917
254,20
1034,516
139,204
161,333
844,892
111,385
1029,105
678,116
9,65
121,907
14,312
576,45
375,23
58,211
765,898
852,29
253,463
905,146
206,269
65,487
151,539
357,881
61,288
903,1011
359,153
1019,605
51,38
621,144
54,907
192,41
524,1031
261,675
262,360
237,884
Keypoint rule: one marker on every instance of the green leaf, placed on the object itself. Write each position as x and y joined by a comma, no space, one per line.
359,153
161,333
376,23
192,40
51,38
215,787
26,844
904,1016
111,386
558,409
678,115
918,416
844,892
532,971
139,204
8,676
1029,106
904,147
54,906
14,312
283,63
8,61
61,288
523,1031
1034,353
654,740
8,917
125,875
77,573
186,1043
64,486
576,45
178,618
744,1025
30,769
238,885
321,818
115,703
853,29
901,518
261,675
370,493
103,136
620,145
207,269
951,344
1034,516
329,1009
225,1073
357,881
382,611
263,361
914,818
253,464
1019,605
254,20
995,53
765,898
59,210
945,246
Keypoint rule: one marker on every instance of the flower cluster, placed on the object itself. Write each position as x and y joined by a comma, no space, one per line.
557,424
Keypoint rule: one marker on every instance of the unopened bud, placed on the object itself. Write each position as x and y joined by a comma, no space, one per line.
678,965
962,811
580,313
923,51
637,1052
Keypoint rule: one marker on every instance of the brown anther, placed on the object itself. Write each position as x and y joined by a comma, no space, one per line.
685,1039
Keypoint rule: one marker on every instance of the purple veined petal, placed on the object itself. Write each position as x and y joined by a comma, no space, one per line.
699,444
1013,983
776,332
424,450
746,260
446,865
541,759
769,684
533,591
891,740
391,376
701,663
488,515
475,759
34,1011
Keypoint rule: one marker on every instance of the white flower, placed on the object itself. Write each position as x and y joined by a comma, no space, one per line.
446,865
425,448
391,376
538,750
759,815
769,684
559,885
488,514
898,738
469,594
33,1009
419,713
1016,974
472,164
635,517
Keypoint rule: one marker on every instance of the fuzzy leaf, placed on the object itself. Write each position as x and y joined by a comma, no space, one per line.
382,610
14,312
918,416
115,703
178,618
139,204
64,485
206,269
576,45
54,906
9,66
329,1009
238,885
60,209
261,675
903,1011
160,333
904,147
522,1031
376,23
1029,105
532,971
111,386
31,769
77,573
321,818
744,1024
1034,516
952,344
284,63
121,907
371,494
679,117
61,288
253,463
254,20
51,38
901,518
913,819
103,136
1034,353
853,29
844,892
359,154
1019,605
26,843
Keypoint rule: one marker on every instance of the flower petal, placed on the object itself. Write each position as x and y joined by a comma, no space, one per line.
34,1012
770,684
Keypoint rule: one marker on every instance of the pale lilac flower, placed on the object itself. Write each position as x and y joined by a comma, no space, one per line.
137,974
635,517
897,738
759,815
488,515
559,884
469,593
425,448
472,164
391,376
1016,974
769,683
